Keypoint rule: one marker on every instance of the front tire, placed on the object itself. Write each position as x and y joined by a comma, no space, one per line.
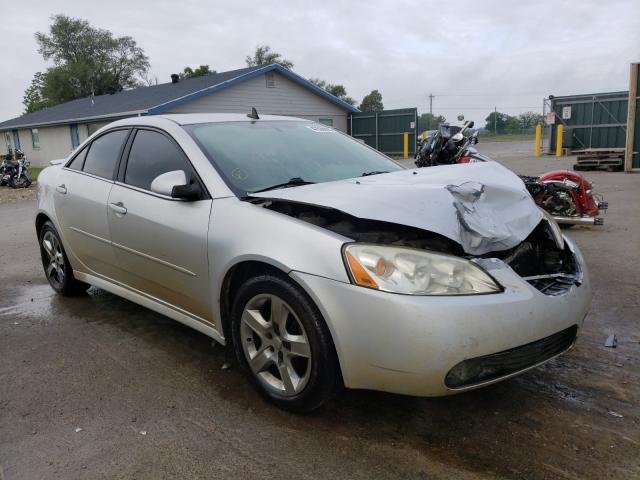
283,344
56,264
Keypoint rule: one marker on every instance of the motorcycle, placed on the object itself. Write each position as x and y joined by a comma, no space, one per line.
14,171
6,168
564,194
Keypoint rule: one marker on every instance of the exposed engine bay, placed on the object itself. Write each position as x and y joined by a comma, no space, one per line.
540,259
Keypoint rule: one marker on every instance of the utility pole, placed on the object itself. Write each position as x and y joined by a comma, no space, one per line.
495,120
431,96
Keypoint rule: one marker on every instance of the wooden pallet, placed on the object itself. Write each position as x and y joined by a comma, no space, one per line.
600,159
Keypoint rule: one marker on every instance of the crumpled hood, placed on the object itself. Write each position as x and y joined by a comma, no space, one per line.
482,206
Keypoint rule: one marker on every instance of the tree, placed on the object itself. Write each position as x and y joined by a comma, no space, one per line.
264,56
33,99
428,121
86,61
372,102
529,119
188,72
336,90
498,122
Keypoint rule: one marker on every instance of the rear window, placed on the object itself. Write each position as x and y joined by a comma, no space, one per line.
78,160
104,153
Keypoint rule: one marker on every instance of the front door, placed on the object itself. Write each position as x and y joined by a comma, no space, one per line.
160,243
80,200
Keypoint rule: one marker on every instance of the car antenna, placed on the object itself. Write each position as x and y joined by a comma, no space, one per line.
253,114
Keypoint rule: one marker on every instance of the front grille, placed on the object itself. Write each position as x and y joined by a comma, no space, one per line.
490,367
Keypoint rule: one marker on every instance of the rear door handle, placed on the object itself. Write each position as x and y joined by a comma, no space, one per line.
118,208
61,188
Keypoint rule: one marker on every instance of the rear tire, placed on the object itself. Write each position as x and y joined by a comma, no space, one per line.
283,344
56,264
23,182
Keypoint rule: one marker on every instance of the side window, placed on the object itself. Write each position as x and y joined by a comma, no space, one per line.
103,154
35,139
77,162
153,154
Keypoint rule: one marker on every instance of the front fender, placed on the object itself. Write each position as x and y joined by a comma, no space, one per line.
240,231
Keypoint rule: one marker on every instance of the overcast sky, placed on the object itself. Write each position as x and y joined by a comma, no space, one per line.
472,55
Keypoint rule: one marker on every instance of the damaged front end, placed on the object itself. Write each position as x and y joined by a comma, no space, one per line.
542,259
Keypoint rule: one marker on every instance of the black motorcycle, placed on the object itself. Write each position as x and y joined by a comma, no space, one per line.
14,170
445,145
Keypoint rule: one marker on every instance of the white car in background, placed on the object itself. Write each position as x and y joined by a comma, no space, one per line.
324,263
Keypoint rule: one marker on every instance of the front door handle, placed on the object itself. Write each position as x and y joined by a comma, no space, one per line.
61,188
118,208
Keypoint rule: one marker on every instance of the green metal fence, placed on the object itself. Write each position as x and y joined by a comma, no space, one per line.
591,121
635,148
385,130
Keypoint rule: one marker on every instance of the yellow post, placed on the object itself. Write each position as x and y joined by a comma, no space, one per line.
424,136
538,139
406,145
559,132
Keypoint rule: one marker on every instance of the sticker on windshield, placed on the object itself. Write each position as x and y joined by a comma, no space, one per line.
239,174
316,127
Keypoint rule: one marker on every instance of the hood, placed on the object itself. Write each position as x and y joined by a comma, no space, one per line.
482,206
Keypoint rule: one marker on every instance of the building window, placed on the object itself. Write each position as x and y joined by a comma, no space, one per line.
7,140
326,121
75,139
16,139
271,79
35,139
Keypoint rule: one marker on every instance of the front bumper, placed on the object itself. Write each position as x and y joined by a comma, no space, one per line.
408,344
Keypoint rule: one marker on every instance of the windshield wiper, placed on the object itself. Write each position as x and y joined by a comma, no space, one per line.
366,174
292,182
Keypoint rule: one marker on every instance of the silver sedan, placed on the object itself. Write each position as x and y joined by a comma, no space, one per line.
321,261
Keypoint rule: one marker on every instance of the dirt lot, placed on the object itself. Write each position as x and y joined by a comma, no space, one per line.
152,400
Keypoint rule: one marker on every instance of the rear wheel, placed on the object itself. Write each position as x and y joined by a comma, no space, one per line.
56,264
23,182
283,344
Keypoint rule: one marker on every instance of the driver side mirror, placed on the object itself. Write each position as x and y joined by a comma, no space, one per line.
175,185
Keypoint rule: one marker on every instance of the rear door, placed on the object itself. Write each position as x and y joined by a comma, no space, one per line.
81,198
160,243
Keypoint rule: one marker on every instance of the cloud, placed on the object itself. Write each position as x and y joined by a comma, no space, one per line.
473,56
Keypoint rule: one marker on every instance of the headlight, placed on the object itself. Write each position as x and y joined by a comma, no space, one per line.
415,272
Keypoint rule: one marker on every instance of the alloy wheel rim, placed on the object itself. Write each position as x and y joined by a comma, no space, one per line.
53,259
275,345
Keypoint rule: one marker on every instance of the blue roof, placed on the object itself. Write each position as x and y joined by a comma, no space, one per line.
155,99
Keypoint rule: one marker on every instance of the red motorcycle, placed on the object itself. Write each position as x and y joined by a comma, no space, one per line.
565,194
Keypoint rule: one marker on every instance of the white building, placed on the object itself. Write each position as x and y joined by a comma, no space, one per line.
54,132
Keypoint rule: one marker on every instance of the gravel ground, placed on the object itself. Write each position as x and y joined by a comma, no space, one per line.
11,195
97,387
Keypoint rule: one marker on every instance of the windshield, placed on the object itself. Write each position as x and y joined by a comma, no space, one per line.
258,155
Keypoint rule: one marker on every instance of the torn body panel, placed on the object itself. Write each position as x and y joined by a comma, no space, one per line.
486,208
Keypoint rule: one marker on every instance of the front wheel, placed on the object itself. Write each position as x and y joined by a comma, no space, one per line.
283,344
56,264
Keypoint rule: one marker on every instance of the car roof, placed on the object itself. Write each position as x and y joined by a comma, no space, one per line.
195,118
